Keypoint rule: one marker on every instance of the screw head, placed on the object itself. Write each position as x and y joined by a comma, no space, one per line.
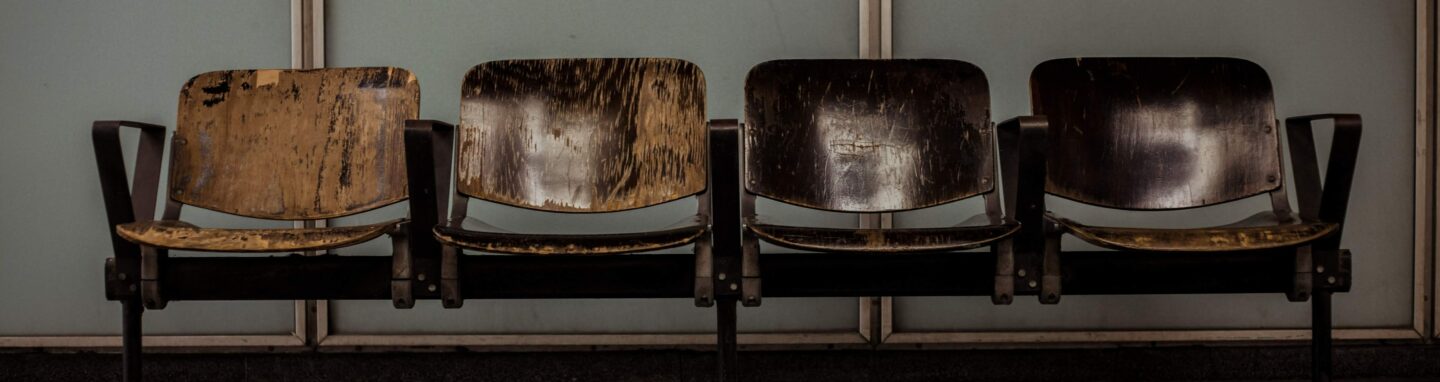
431,287
734,286
1270,178
1020,273
122,276
1033,283
1319,269
722,276
1330,279
420,277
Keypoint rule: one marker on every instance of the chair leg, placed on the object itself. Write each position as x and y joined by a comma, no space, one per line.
729,369
130,337
1322,353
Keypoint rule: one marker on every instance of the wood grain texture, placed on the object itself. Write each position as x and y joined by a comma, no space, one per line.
487,238
1157,133
582,135
890,240
868,135
293,144
175,234
1216,239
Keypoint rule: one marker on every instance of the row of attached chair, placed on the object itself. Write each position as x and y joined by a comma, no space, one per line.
607,135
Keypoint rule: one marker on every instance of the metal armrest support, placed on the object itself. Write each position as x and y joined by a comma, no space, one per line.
1327,203
429,148
125,203
1022,159
728,257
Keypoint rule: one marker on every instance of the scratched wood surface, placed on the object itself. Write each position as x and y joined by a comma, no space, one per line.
868,135
1157,133
293,144
582,135
1215,239
174,234
889,240
483,237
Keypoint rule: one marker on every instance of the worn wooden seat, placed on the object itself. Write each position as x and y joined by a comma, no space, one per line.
277,144
1178,133
872,136
1241,236
175,234
1168,133
571,136
1162,133
893,240
480,236
294,145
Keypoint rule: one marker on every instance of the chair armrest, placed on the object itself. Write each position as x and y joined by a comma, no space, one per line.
724,187
1022,165
429,152
125,203
724,190
1327,203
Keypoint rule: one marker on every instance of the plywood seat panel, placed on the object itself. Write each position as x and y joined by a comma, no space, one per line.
175,234
893,240
483,237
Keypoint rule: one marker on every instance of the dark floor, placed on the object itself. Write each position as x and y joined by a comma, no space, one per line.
1254,363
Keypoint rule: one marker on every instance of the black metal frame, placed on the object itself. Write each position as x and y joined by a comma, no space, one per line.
675,276
121,207
1327,203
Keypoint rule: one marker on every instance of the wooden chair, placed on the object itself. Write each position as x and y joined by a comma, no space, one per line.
298,145
594,135
568,136
1176,133
868,136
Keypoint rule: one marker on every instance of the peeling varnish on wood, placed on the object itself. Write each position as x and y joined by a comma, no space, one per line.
293,144
582,135
180,235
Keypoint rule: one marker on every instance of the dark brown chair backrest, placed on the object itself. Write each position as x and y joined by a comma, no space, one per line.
1157,133
868,135
582,135
293,144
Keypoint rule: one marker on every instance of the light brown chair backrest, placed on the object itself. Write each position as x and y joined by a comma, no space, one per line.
293,144
582,135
